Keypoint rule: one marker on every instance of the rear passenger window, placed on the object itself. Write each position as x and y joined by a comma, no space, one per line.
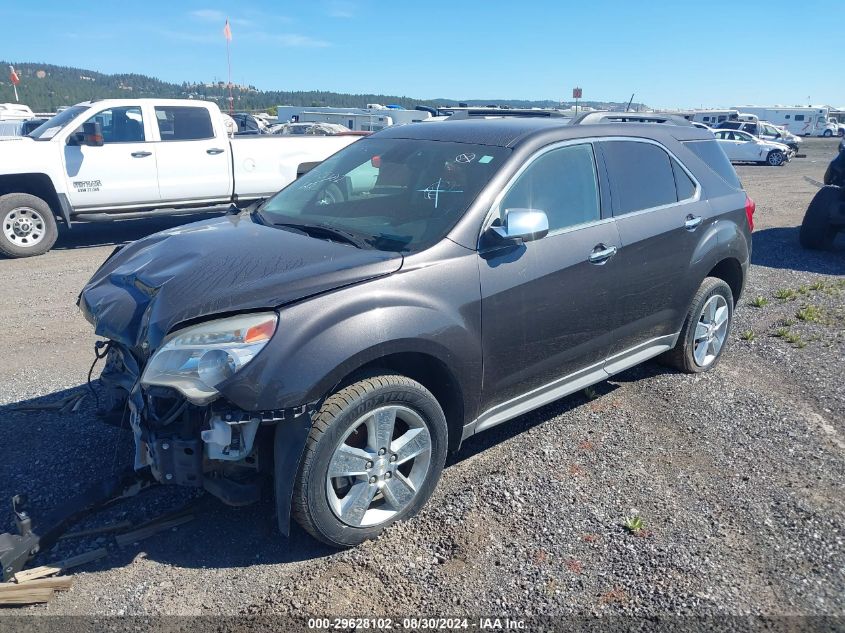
180,123
562,183
683,183
714,156
640,174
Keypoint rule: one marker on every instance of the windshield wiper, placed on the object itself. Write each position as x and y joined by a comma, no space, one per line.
326,232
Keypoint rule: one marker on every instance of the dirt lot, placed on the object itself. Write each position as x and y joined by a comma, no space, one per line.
738,474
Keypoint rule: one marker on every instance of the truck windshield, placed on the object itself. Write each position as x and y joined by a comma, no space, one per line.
53,126
389,194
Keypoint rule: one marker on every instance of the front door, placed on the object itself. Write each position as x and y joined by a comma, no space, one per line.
120,172
546,303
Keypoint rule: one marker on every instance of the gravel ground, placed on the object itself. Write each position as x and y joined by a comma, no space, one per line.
738,474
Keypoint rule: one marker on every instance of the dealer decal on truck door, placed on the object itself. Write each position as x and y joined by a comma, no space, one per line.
87,186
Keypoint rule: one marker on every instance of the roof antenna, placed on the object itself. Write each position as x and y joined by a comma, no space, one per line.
628,107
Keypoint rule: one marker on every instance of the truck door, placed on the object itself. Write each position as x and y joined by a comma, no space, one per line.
120,172
194,156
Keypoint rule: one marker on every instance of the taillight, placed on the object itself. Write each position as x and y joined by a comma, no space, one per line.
750,208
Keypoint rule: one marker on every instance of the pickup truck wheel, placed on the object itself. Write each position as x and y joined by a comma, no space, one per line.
827,134
776,158
373,457
704,335
27,225
816,230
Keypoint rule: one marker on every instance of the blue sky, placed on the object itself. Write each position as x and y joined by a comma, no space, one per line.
670,54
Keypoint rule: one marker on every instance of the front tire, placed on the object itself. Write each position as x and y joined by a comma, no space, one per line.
27,225
373,457
827,134
706,329
776,158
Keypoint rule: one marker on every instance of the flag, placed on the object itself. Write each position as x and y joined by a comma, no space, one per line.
13,76
227,31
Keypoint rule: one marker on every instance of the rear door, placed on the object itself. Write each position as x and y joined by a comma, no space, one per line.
194,157
120,172
546,308
660,217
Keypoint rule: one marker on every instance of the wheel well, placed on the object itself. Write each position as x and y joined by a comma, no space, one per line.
432,374
729,271
38,185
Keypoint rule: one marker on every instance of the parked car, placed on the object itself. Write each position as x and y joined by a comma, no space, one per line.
248,124
825,216
307,127
765,131
424,284
741,147
120,158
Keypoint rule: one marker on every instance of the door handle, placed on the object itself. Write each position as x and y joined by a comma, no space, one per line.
141,154
602,253
692,221
214,150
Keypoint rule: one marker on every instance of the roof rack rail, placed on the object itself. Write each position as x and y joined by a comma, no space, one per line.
482,112
630,117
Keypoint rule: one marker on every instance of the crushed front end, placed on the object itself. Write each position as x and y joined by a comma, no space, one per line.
186,432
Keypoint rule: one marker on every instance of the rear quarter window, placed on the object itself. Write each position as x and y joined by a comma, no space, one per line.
715,158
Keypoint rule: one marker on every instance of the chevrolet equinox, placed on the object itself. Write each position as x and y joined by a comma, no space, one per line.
423,284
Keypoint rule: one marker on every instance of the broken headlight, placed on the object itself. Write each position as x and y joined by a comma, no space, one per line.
196,359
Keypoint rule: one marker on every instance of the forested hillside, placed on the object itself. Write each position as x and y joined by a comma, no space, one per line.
44,87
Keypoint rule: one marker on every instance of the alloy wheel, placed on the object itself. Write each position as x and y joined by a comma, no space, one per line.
378,466
24,226
711,331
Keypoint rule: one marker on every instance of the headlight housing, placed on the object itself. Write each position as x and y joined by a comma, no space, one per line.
196,359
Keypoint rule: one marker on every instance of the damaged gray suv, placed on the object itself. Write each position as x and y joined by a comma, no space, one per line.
423,284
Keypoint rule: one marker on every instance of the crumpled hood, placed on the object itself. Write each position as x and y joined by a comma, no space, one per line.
217,266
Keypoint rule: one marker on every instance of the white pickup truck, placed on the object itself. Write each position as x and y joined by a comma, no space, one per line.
121,158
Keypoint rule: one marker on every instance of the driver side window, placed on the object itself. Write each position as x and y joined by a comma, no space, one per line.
562,183
120,125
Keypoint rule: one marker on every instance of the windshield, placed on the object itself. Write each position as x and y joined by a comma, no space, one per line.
51,127
391,194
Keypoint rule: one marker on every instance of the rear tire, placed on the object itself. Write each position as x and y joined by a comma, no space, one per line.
706,329
384,471
27,225
816,230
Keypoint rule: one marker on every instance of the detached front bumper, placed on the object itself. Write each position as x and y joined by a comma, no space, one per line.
219,447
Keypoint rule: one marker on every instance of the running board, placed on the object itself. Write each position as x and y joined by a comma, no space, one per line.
568,385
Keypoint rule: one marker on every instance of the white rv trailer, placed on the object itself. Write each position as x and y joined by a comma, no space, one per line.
15,112
804,121
710,117
370,119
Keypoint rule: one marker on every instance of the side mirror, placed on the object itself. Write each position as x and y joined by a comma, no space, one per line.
92,134
523,225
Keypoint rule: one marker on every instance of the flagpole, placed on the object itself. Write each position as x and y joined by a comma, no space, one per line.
229,64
